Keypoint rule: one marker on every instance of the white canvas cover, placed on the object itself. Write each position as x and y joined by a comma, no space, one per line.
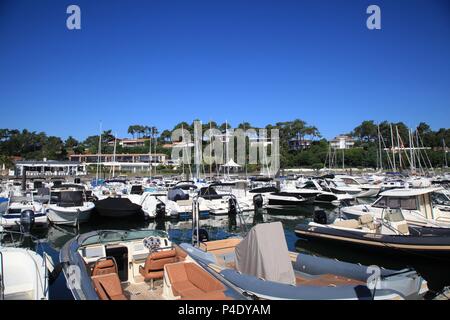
263,253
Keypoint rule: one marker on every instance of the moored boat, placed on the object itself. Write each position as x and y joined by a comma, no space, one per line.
389,235
261,265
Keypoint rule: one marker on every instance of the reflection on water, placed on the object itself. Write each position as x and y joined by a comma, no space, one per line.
219,227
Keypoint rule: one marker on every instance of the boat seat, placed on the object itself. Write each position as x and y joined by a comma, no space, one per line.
366,218
105,265
403,229
367,221
191,282
221,246
154,265
351,224
108,287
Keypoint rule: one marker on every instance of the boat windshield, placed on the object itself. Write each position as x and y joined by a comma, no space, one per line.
361,181
105,236
394,215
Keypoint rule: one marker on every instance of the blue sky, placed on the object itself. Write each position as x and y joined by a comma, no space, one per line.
160,62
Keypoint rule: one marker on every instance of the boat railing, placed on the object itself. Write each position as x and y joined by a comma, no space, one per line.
239,212
2,281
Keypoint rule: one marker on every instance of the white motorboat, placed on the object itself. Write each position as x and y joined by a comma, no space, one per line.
416,206
23,275
19,208
68,207
325,192
356,186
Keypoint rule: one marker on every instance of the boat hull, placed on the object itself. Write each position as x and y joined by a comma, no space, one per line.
69,216
431,246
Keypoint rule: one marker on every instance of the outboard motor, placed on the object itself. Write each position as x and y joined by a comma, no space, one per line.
160,211
257,205
203,235
232,207
320,216
258,201
26,220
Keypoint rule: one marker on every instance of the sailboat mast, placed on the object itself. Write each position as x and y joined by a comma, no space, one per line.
210,150
155,144
150,155
379,148
114,157
399,149
99,151
411,162
392,145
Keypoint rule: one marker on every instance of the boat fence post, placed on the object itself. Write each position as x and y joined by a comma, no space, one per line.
2,284
78,220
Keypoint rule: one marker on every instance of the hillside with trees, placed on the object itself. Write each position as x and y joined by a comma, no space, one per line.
365,153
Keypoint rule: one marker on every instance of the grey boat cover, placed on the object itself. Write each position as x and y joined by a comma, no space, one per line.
177,194
263,253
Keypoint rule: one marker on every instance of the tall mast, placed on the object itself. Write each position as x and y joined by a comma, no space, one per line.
411,162
114,156
182,161
99,151
379,148
399,150
392,145
155,144
210,150
150,154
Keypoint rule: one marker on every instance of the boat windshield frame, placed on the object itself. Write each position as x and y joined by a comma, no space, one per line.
103,236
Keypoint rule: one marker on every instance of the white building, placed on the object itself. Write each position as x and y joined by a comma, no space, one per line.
49,168
342,142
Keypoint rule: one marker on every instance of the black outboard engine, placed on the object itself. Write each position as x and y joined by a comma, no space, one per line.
258,201
203,235
258,211
26,220
232,207
160,211
320,216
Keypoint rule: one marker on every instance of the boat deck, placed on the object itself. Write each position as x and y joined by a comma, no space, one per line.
142,291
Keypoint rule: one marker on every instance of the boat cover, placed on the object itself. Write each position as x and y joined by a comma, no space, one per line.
263,253
176,194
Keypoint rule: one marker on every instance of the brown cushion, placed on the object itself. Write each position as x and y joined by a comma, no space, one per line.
176,272
164,254
190,281
201,279
108,287
104,267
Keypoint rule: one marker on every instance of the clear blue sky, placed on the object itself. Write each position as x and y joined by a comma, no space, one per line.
160,62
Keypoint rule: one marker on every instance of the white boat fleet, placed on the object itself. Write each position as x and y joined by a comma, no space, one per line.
424,201
411,214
